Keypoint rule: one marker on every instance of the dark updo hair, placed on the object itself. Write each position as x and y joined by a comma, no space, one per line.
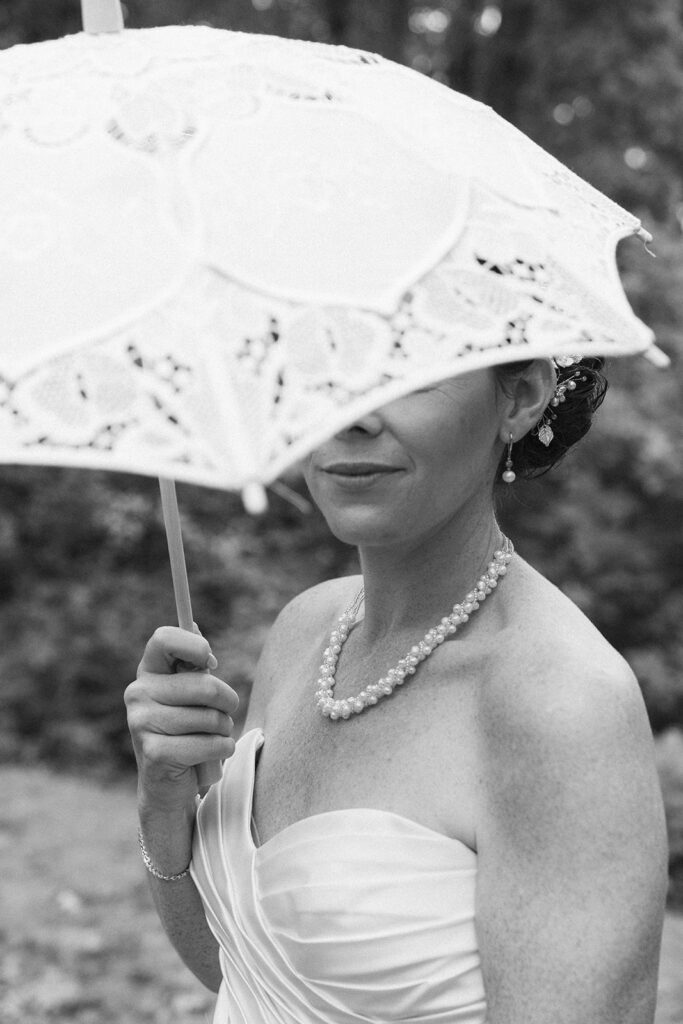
573,416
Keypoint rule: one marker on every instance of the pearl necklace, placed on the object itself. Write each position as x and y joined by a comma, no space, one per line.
407,666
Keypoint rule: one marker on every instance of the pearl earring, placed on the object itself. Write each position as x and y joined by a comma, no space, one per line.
509,476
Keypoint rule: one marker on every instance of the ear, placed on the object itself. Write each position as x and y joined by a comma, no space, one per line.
525,399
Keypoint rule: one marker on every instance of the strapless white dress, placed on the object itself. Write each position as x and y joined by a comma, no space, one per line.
344,917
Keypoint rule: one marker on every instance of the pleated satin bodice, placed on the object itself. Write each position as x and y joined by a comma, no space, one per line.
347,916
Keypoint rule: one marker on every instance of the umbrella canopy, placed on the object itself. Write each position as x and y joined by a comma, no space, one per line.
221,248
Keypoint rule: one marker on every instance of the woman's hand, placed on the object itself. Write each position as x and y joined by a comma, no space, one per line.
179,716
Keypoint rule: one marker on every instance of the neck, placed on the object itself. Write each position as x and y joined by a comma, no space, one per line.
416,585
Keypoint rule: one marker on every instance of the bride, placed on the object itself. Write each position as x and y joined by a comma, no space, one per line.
444,805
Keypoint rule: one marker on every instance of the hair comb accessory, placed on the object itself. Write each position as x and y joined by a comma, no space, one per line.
564,384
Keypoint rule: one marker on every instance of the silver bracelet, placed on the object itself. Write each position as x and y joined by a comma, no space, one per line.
147,860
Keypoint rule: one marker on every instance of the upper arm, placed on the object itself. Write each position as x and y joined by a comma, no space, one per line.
289,638
572,853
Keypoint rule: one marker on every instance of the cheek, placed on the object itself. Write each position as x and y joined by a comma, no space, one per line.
456,450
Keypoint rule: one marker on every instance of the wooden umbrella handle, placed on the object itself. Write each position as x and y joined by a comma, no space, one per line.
100,16
210,772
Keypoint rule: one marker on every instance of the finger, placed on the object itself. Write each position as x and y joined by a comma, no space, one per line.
192,689
187,751
170,644
188,721
187,666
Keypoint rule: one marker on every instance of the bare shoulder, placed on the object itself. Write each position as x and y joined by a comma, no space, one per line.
553,670
564,733
304,621
562,722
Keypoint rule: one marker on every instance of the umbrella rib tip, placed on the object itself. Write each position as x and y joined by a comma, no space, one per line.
254,498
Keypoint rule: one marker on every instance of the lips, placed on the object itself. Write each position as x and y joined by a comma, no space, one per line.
358,468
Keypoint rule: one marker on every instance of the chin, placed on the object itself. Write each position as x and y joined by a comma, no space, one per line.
364,527
371,518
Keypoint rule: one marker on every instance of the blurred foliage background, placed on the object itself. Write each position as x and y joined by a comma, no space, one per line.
83,567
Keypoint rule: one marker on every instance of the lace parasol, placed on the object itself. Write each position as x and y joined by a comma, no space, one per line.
220,248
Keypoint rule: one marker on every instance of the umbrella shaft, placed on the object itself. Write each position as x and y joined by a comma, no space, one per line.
102,16
210,772
181,587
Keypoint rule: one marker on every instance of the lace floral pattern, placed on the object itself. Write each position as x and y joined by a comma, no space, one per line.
223,248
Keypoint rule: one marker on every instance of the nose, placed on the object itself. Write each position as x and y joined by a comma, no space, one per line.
370,424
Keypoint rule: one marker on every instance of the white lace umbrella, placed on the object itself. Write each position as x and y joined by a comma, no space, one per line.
219,249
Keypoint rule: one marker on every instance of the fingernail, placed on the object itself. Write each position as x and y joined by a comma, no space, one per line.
211,663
